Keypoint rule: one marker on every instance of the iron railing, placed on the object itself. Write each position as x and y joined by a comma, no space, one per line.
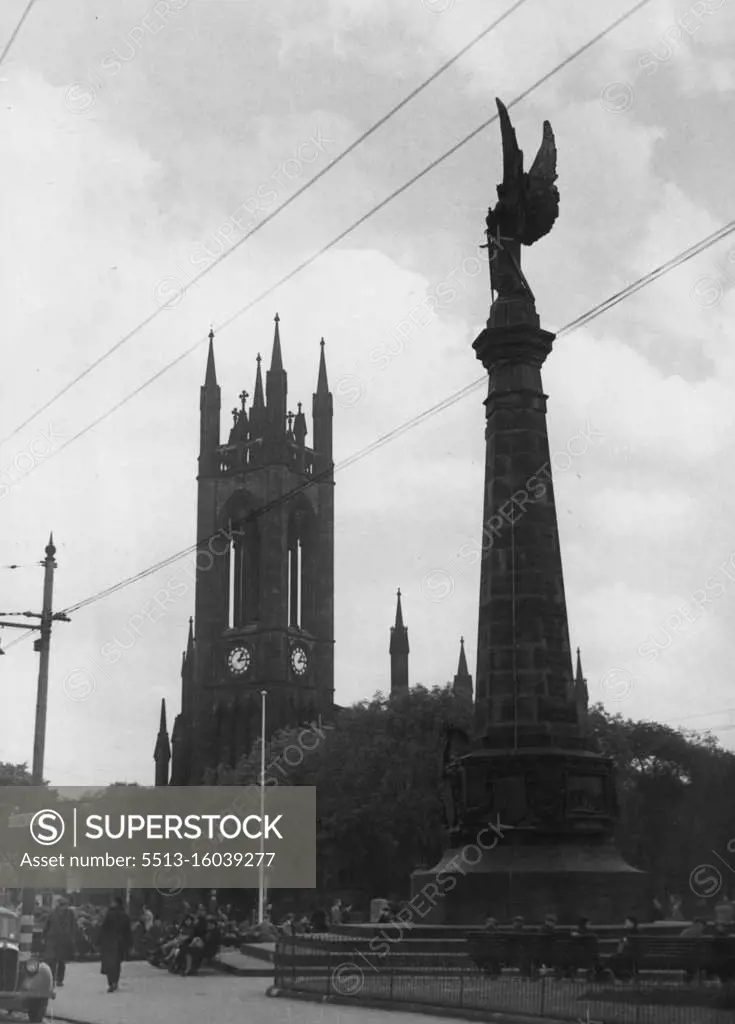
357,970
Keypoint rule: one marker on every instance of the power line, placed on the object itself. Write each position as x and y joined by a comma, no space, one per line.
16,30
266,220
426,414
307,262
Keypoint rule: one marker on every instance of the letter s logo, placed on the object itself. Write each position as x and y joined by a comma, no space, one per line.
47,827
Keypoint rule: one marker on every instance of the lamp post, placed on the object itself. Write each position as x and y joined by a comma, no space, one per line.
261,868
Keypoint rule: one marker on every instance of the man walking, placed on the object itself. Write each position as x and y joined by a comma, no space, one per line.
115,940
59,940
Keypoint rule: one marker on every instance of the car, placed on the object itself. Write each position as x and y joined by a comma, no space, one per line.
26,983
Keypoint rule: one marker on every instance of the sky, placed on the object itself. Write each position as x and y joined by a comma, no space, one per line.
141,139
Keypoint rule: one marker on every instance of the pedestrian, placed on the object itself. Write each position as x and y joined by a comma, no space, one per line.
115,940
59,940
335,913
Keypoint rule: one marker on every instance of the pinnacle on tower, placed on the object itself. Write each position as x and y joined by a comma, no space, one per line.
258,399
299,427
190,639
462,685
162,752
209,414
399,651
187,659
257,409
322,387
321,410
276,387
399,611
210,377
276,356
581,693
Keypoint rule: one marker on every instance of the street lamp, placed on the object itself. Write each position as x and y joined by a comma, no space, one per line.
261,869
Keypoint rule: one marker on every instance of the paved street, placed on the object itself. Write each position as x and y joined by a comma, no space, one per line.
157,997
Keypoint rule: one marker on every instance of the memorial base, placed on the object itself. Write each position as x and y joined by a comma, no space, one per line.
570,880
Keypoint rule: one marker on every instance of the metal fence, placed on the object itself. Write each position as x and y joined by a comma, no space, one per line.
353,970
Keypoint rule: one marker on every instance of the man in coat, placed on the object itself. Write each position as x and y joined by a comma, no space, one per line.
59,940
115,941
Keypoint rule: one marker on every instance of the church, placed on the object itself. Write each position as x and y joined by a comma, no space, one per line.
264,602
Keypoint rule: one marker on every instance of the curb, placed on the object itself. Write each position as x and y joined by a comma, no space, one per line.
68,1020
257,952
244,972
490,1016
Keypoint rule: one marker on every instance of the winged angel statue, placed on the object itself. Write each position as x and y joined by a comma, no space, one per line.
527,207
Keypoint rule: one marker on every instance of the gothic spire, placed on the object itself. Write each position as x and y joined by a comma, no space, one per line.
276,388
190,639
210,377
322,387
462,685
462,669
257,410
162,752
399,651
162,728
258,399
399,611
209,414
321,410
276,357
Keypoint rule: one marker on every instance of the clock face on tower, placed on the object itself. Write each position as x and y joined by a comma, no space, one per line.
239,660
299,660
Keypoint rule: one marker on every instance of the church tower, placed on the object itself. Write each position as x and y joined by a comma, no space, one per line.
264,604
398,650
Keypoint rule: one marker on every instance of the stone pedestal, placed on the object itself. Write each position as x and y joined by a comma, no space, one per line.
567,879
530,834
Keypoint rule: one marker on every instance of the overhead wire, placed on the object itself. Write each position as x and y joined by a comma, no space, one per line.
315,256
271,216
595,311
16,30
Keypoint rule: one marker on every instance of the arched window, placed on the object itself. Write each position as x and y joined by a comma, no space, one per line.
244,574
295,570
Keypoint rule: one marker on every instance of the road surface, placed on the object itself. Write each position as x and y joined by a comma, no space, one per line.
150,996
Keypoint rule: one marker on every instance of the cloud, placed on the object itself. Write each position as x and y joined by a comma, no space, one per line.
101,206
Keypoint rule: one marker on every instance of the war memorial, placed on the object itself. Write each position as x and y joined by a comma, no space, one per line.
523,914
530,765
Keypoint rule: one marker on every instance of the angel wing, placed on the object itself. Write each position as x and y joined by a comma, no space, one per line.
542,195
544,166
512,156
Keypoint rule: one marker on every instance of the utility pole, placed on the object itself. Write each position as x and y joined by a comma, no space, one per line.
43,646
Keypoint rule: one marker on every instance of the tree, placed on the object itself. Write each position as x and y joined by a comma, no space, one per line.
14,774
378,781
675,791
378,778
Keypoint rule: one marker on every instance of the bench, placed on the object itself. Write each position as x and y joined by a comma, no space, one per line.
528,951
714,955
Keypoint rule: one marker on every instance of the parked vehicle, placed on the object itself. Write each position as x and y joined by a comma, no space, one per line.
26,983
